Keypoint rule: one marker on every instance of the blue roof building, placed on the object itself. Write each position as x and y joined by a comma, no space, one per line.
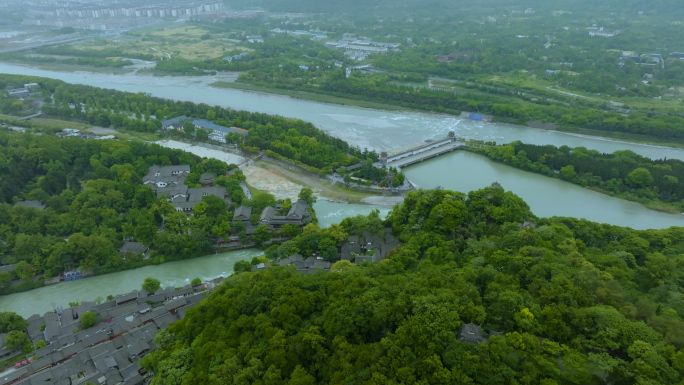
176,122
208,125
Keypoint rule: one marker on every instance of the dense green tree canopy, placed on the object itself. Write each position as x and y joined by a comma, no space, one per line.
568,301
88,319
622,173
11,321
151,285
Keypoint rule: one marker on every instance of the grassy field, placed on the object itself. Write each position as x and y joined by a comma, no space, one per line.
77,68
57,123
48,123
183,41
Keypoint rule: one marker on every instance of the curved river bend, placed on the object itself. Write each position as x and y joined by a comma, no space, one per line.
465,171
374,129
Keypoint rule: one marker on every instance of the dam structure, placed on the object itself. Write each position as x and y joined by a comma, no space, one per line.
422,152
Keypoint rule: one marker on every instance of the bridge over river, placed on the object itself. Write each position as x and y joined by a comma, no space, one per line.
422,152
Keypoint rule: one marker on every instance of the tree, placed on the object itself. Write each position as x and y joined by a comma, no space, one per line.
328,249
222,229
11,321
261,235
188,128
639,177
261,200
16,339
300,376
196,282
211,114
151,285
88,319
202,135
215,166
5,278
342,266
242,266
306,194
568,172
289,230
25,271
215,206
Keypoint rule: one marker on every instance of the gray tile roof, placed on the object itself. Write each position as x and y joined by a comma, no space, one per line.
242,213
133,247
179,119
196,194
267,214
298,209
207,177
34,204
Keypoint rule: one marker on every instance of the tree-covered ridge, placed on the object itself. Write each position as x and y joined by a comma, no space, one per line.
569,301
95,200
622,173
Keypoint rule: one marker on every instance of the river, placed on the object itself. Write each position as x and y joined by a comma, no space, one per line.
374,129
174,274
465,171
330,212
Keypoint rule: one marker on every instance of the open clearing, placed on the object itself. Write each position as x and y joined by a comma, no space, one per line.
182,41
286,183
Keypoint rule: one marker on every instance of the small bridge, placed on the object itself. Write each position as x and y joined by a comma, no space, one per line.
421,153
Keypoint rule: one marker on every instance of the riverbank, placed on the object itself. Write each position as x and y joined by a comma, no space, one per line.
73,67
311,96
157,260
651,204
547,197
620,137
617,137
170,274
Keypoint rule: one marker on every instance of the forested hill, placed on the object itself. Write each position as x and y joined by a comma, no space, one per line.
560,301
94,199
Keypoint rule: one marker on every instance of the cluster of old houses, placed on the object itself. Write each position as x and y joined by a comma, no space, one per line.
107,353
216,132
274,216
357,249
169,181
